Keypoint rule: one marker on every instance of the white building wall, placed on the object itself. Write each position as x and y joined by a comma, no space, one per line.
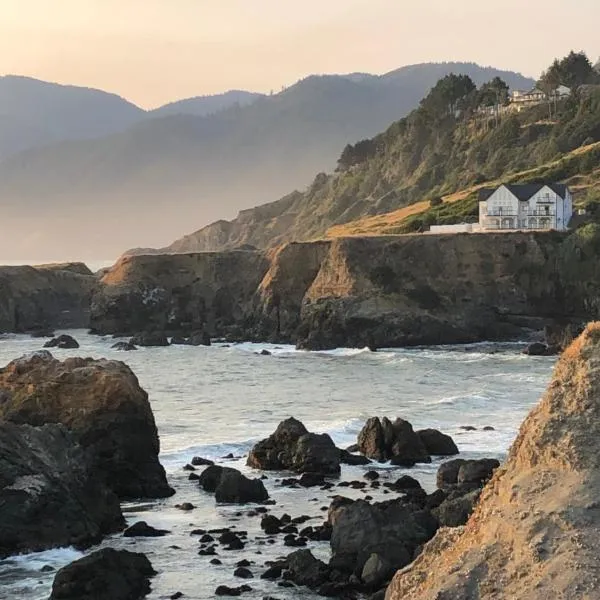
457,228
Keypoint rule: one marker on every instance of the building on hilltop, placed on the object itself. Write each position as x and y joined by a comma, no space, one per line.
520,99
532,206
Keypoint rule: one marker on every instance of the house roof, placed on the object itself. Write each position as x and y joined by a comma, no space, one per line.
525,191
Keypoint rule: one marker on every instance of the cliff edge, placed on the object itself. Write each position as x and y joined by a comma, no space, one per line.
534,534
45,297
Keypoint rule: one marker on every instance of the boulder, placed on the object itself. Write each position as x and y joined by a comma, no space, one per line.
232,487
393,530
477,471
376,572
142,529
305,569
64,342
124,346
383,440
108,573
534,532
437,443
102,404
538,349
199,338
292,447
455,512
149,339
49,495
346,458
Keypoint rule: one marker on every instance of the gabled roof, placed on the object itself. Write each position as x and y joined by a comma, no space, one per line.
525,191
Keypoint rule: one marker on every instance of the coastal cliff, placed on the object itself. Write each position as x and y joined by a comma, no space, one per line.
535,531
377,291
45,297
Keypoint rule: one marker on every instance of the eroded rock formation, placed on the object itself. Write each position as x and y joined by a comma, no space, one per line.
102,404
534,533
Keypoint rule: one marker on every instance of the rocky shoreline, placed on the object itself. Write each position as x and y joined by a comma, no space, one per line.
61,492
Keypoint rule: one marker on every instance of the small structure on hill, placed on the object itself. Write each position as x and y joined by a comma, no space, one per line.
524,99
532,206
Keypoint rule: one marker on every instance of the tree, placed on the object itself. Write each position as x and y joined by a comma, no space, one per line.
493,92
356,154
448,95
572,71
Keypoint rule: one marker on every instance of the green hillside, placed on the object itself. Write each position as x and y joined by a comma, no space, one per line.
454,142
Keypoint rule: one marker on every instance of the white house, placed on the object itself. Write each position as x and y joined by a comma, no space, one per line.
520,99
532,206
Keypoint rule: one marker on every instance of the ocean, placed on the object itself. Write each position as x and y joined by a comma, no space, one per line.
217,401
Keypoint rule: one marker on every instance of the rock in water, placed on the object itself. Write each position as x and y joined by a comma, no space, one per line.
437,443
65,342
535,531
149,339
397,441
49,497
102,404
103,575
392,530
292,447
231,487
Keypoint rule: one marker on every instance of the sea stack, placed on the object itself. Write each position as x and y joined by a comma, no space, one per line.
535,531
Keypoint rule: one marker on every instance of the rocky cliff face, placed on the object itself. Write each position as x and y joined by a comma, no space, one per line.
177,293
50,296
378,291
535,532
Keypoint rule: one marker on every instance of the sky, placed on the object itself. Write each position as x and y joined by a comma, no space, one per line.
155,51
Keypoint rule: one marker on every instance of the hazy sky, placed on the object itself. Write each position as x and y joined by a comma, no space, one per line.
155,51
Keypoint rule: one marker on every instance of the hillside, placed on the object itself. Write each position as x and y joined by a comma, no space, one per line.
37,113
146,184
202,106
383,185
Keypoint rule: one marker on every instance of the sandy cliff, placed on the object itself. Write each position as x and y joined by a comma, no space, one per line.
535,532
377,291
47,296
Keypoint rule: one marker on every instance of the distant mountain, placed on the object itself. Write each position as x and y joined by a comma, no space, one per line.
206,105
145,185
36,113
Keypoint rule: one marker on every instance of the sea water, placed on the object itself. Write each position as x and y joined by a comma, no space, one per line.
217,401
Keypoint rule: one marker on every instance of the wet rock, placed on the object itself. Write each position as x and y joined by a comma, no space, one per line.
49,494
198,461
311,480
104,407
231,487
538,349
270,524
292,447
352,448
176,596
186,506
406,482
119,574
265,353
468,428
371,475
200,338
273,572
305,569
353,459
390,529
189,468
224,590
63,342
124,346
383,440
243,573
142,529
437,443
216,561
149,339
447,473
489,428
